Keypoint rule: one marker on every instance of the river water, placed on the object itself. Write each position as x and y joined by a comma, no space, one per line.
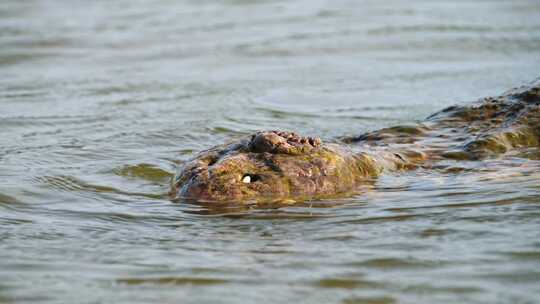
101,100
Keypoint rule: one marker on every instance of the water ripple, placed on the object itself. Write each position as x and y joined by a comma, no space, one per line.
102,100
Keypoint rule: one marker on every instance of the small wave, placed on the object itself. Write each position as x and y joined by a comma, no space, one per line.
74,185
194,281
144,171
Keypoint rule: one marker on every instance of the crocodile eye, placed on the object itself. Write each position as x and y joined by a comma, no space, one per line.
250,178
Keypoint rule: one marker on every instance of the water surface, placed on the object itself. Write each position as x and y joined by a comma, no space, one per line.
101,100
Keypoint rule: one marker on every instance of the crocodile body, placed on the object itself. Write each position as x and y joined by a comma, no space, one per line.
284,166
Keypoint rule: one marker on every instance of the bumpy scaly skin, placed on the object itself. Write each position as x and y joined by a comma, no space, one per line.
283,166
280,165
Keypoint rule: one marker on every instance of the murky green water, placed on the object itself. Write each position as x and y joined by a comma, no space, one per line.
100,100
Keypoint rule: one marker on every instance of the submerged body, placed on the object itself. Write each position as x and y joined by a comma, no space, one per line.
283,166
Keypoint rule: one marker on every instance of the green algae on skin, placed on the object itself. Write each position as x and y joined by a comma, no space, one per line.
317,172
279,166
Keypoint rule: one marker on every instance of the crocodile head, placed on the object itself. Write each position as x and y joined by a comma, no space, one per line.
268,166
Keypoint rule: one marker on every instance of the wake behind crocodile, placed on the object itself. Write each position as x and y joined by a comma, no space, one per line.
284,167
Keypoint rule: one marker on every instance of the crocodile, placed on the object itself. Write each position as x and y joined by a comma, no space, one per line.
282,166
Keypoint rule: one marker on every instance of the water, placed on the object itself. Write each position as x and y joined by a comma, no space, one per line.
100,100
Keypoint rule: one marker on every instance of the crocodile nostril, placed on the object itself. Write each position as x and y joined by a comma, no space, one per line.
212,161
